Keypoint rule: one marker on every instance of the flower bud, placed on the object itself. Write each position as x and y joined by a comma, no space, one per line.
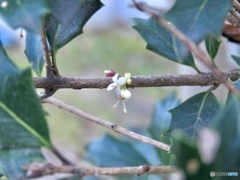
109,73
129,81
127,75
126,94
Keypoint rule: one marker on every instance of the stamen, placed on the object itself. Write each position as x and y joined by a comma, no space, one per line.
124,107
116,104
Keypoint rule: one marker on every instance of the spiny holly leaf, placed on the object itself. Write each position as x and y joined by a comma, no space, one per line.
160,123
198,19
34,52
161,41
212,45
236,59
161,118
22,118
118,153
64,11
216,150
23,127
12,161
24,13
60,34
195,113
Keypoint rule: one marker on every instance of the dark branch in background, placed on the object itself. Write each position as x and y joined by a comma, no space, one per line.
202,79
201,55
34,170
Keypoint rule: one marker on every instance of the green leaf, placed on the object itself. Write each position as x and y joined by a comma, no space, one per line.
197,158
228,126
12,160
60,34
161,118
111,152
160,123
198,19
228,122
212,45
34,52
22,119
188,158
236,59
152,155
65,11
195,113
160,41
24,13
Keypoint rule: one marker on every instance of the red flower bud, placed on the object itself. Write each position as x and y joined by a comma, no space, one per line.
109,73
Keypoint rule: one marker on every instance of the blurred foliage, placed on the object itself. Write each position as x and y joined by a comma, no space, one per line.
203,138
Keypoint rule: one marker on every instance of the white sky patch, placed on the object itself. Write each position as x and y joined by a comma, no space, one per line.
4,4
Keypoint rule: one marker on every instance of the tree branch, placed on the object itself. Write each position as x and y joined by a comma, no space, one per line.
49,70
202,79
106,124
37,170
200,54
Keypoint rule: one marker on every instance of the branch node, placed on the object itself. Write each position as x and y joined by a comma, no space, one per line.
113,126
77,171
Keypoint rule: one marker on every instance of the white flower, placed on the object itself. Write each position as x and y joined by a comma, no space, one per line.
122,92
116,82
125,94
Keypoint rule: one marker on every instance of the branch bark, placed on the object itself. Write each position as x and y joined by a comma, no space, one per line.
35,170
202,79
106,124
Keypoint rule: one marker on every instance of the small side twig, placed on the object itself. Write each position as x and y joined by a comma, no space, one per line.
107,124
200,54
49,67
35,170
50,72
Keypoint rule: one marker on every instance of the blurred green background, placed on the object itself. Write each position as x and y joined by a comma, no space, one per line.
120,49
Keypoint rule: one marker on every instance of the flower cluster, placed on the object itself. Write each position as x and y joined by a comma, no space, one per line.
120,84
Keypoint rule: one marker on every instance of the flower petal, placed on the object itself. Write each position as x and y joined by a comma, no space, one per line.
111,86
121,81
115,77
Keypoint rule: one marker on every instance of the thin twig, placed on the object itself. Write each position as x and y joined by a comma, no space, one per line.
106,124
36,170
50,73
202,79
200,54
